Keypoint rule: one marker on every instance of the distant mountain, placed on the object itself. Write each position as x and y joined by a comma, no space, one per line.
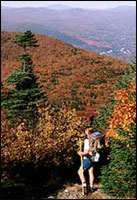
5,8
124,8
108,32
58,7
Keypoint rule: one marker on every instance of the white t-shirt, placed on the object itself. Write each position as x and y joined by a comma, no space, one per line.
86,146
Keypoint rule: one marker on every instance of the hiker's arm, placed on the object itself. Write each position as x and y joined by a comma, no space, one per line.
81,153
84,153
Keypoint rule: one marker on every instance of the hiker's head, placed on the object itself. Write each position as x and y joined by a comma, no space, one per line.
88,131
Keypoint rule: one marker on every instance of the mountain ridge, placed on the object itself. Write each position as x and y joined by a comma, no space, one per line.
80,27
59,6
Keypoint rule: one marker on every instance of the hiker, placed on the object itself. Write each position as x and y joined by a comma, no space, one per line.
86,163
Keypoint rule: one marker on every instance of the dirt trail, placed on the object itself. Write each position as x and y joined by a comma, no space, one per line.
74,192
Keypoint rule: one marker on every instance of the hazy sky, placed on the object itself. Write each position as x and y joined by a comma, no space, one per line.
79,4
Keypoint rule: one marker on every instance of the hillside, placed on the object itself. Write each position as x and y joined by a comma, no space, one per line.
110,32
42,161
83,78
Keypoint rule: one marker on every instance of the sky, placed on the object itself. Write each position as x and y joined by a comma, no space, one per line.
78,4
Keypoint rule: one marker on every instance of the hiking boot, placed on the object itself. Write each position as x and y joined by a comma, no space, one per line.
84,189
91,190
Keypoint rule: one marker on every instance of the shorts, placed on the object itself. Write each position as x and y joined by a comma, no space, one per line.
87,163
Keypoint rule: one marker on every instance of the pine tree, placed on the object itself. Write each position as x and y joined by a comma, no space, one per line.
22,100
26,40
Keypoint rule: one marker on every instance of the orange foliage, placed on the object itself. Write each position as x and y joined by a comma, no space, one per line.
124,114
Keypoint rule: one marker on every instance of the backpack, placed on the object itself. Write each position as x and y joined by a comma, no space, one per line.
96,142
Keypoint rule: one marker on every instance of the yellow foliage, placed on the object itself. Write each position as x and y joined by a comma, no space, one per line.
53,141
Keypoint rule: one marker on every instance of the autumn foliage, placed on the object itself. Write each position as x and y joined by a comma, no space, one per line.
119,176
68,74
124,114
54,141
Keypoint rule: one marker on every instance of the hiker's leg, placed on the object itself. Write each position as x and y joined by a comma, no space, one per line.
91,176
81,175
83,180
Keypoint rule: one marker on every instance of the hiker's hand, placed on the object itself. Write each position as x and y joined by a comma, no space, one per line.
79,153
